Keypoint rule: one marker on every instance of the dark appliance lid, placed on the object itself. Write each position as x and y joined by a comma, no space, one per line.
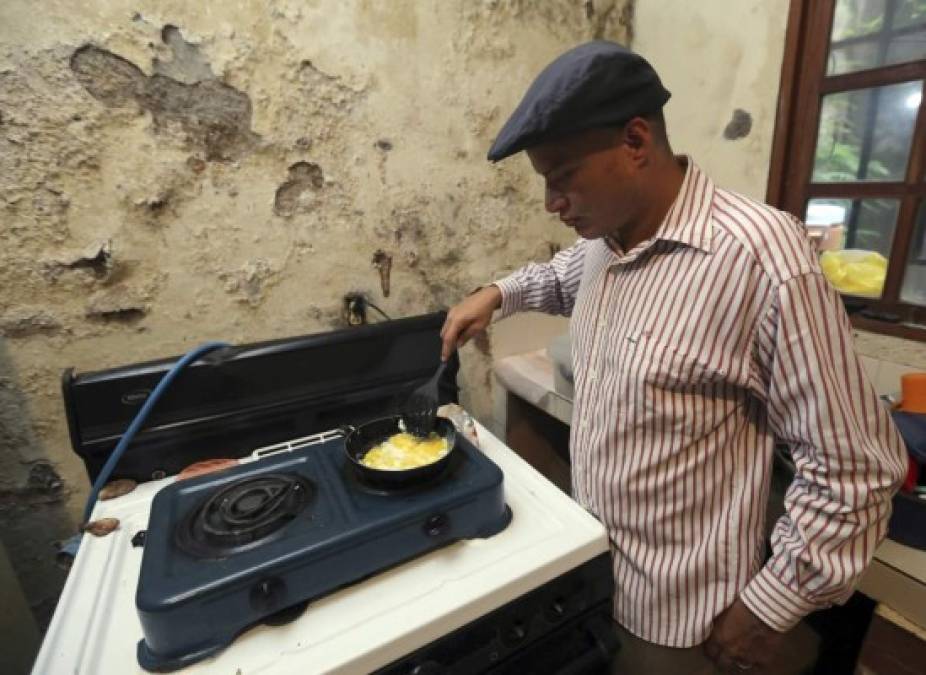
243,397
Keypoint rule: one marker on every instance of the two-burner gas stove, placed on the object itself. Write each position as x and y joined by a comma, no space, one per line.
224,552
288,562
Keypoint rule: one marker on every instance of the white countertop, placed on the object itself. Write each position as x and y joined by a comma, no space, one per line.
531,377
897,578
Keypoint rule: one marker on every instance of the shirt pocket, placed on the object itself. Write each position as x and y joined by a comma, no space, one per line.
664,366
672,397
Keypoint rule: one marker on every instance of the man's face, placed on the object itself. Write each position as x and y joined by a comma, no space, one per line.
593,180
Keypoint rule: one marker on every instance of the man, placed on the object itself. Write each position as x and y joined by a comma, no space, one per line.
703,332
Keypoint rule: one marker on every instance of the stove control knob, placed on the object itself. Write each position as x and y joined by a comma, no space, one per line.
427,668
556,610
514,634
437,525
268,594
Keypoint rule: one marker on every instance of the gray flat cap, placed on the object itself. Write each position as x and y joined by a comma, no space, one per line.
596,84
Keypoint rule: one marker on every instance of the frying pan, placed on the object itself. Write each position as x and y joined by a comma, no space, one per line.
358,440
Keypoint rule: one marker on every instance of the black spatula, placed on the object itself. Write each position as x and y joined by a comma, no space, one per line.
420,409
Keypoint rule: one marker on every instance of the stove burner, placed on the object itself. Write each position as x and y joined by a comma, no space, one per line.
244,515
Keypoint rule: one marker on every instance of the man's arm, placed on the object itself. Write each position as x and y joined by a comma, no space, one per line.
549,287
848,455
849,461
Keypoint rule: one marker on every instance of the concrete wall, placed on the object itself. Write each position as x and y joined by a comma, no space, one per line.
172,172
722,62
17,623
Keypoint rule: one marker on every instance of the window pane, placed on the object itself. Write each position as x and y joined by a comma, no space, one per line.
910,13
865,134
872,33
908,47
852,57
913,289
855,238
854,18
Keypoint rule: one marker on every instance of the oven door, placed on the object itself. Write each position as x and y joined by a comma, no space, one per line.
585,645
564,627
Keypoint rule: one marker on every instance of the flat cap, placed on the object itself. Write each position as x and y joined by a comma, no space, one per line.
596,84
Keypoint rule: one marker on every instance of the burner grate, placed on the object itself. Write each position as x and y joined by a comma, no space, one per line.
243,515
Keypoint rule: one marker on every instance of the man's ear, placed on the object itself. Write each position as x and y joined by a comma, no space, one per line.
637,133
638,138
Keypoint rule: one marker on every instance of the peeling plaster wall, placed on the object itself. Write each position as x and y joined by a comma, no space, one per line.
173,172
722,62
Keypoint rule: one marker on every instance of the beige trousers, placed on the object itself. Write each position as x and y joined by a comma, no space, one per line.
639,657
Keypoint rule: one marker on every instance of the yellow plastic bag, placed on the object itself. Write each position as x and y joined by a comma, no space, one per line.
854,271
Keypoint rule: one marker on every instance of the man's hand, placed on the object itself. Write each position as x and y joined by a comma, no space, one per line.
469,317
741,642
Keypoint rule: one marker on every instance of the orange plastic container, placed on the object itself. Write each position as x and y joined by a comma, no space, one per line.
913,393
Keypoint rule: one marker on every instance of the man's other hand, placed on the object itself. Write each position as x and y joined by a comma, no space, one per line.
741,642
467,318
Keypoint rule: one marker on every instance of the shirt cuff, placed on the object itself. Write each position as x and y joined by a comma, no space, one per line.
774,602
511,295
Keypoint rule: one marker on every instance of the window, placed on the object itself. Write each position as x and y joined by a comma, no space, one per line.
849,156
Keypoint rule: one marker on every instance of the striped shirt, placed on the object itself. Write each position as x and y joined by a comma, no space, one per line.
694,353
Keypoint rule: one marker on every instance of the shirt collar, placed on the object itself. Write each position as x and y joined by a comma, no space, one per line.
689,218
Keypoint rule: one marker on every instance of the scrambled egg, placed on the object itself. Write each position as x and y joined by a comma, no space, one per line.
405,451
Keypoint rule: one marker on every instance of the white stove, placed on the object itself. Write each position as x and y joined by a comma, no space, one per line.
521,585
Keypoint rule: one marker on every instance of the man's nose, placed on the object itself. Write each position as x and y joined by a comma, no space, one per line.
555,202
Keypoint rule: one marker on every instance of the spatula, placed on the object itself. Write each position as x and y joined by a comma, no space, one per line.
420,409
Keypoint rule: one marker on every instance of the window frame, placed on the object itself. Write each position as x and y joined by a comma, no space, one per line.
803,84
